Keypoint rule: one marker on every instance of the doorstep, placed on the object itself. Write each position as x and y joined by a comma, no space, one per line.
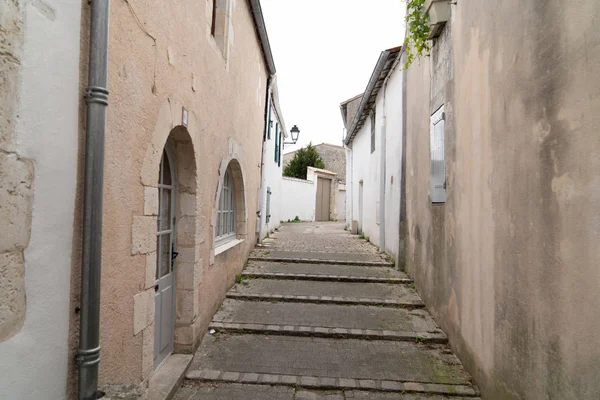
165,382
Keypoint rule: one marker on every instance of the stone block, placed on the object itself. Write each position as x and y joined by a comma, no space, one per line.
198,272
12,294
184,276
150,270
184,307
188,204
16,197
143,310
147,351
150,200
143,235
184,335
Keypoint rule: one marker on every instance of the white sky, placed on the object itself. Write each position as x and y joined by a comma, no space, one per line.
325,51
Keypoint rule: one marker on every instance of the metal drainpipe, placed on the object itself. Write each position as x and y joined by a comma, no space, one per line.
96,97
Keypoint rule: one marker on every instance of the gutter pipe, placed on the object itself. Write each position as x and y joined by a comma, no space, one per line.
96,98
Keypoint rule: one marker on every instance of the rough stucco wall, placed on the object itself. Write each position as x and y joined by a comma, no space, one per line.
334,158
38,150
272,173
298,199
366,167
182,65
508,265
393,157
351,109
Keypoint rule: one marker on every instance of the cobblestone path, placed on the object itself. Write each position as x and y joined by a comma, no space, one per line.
320,314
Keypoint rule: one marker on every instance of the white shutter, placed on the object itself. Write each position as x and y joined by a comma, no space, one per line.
438,158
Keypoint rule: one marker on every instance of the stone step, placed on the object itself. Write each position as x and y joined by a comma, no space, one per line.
372,259
326,300
321,383
323,261
338,360
324,332
325,278
327,320
324,272
381,294
220,390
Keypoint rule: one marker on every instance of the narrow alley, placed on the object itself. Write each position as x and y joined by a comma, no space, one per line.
318,313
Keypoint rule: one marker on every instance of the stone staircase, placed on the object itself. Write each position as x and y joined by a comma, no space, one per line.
309,328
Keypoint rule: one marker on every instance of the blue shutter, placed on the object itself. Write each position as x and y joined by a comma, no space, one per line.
438,157
276,141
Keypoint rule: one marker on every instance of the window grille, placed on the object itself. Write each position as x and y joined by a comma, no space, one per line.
226,218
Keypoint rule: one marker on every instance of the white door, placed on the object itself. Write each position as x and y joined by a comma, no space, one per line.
164,297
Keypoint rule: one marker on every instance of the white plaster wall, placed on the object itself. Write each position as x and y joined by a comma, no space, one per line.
298,199
272,175
33,363
393,156
365,167
341,203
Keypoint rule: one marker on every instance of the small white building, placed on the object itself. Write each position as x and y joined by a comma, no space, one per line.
373,141
270,192
321,197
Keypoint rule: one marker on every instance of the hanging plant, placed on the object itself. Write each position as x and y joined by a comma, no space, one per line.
416,43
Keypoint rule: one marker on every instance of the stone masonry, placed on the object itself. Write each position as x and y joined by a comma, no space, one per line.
319,314
333,156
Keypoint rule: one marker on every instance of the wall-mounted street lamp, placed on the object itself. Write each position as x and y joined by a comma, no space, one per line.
294,132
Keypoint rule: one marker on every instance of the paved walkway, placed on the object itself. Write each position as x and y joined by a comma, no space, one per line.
320,314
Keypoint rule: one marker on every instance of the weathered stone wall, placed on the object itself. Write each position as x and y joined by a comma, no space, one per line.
508,265
333,156
16,176
39,101
162,57
351,109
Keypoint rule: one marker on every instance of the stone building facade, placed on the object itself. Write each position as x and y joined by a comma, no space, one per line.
188,85
333,156
507,259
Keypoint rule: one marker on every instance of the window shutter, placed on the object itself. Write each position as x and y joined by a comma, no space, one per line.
276,140
438,157
280,147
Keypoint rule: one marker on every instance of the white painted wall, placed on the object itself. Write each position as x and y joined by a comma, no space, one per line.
298,199
271,175
33,363
341,203
366,166
393,156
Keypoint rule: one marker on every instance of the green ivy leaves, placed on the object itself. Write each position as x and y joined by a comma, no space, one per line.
416,42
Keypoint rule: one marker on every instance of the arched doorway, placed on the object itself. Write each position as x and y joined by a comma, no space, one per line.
164,288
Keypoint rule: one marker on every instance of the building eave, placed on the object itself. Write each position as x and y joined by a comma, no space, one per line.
263,38
382,70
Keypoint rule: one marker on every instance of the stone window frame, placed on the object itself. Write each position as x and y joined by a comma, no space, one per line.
232,160
220,12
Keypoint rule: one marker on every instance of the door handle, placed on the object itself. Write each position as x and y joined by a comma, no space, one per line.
174,254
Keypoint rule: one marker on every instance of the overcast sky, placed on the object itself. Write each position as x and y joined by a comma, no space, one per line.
325,51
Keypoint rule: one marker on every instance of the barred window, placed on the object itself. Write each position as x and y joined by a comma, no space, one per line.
226,222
